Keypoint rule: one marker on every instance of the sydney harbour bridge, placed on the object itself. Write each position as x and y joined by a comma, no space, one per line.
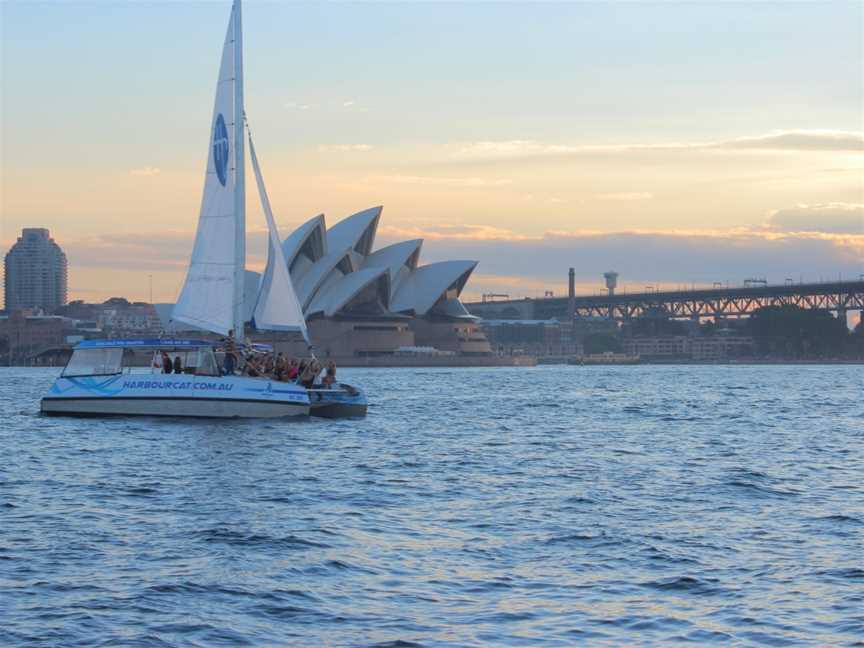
839,297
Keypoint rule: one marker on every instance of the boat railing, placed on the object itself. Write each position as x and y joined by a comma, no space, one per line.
342,388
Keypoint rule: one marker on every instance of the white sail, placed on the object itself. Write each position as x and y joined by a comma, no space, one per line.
277,308
210,293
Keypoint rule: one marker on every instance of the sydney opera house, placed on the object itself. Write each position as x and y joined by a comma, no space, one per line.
362,301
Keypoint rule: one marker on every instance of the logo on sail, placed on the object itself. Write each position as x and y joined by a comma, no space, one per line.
220,149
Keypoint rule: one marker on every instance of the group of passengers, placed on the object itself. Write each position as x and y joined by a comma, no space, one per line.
274,366
277,366
171,366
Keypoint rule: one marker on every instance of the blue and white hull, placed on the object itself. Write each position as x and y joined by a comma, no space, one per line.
175,395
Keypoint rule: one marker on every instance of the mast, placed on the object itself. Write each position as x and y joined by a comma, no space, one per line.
239,179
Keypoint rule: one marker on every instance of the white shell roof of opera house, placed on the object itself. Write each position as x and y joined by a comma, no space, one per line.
337,271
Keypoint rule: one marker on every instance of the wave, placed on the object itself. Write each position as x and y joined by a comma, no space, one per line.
689,585
231,537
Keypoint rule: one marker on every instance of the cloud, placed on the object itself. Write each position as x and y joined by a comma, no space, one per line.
451,233
440,181
151,251
137,251
791,140
837,218
344,148
507,285
296,105
514,148
626,196
645,256
522,263
514,286
327,105
802,140
640,255
145,171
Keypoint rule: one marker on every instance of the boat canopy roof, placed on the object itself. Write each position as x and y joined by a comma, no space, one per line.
167,343
154,343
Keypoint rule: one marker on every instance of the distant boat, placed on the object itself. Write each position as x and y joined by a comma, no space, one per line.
103,377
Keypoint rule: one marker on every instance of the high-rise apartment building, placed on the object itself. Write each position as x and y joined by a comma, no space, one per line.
35,272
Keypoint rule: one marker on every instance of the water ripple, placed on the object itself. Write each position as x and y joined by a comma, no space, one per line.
552,506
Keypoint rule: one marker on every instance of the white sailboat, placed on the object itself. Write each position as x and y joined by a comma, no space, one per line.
101,376
212,295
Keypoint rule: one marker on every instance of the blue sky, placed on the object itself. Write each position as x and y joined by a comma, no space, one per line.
592,72
516,121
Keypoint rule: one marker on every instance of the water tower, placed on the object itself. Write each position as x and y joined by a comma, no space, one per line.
611,281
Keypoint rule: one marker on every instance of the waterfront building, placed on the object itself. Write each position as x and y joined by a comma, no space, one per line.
550,337
362,302
667,347
119,316
24,335
533,337
721,347
35,270
684,347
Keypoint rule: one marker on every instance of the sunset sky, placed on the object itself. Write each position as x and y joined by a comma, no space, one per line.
676,143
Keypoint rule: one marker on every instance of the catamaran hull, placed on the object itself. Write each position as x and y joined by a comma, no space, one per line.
175,395
348,402
192,407
338,410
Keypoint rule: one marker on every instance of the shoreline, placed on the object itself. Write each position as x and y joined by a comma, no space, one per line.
527,361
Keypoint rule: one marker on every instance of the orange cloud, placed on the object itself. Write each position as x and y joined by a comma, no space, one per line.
511,262
453,232
345,148
836,217
631,195
145,171
791,140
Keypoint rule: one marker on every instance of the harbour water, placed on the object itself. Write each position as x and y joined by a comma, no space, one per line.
512,506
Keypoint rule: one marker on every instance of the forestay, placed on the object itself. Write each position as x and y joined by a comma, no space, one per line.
208,297
277,308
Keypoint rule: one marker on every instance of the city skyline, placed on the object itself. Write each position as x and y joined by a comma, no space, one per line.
627,137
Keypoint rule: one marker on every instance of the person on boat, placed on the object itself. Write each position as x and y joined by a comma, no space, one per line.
279,367
259,365
167,367
310,373
230,361
301,369
252,369
329,378
228,364
292,370
178,365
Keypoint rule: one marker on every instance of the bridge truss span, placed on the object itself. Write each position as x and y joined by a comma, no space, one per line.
839,297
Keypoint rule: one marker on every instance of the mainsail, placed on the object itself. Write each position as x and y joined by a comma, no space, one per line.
212,295
277,308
